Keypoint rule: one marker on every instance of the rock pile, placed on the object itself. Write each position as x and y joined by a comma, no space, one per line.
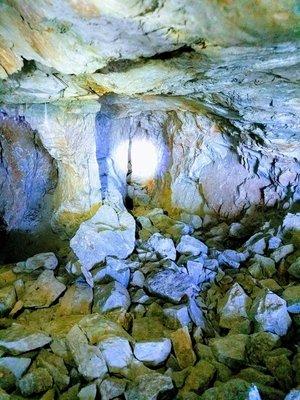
189,310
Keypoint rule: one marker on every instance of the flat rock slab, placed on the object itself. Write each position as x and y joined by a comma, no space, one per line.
170,285
110,232
44,291
18,339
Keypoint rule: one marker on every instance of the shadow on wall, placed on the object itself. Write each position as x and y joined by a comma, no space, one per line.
27,177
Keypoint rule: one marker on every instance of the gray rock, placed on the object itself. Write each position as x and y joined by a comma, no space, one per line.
17,365
37,381
281,252
55,366
148,387
114,270
231,258
110,297
191,246
262,267
274,242
196,313
138,279
162,245
293,395
234,306
270,314
191,219
292,297
77,300
111,388
177,316
41,260
291,222
44,291
152,353
110,232
170,285
89,360
8,299
19,339
202,269
88,392
117,353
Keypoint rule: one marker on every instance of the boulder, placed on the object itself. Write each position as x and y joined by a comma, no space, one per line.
150,386
8,299
161,245
41,260
37,381
19,339
89,360
152,353
117,353
234,306
110,232
42,292
292,297
191,246
259,346
177,316
114,270
170,285
230,350
110,297
202,269
77,300
269,313
183,348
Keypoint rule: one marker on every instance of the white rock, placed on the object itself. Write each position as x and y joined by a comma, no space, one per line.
138,279
41,260
154,352
231,258
177,315
114,269
110,232
88,392
163,246
270,314
274,242
117,353
17,365
110,297
281,252
191,246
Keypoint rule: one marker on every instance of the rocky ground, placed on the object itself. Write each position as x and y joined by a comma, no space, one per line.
198,309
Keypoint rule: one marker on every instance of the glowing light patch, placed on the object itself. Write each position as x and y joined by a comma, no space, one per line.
144,159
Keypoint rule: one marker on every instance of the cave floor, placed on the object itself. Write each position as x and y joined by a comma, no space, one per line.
201,309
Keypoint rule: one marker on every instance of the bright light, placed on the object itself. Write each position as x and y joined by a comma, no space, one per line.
144,159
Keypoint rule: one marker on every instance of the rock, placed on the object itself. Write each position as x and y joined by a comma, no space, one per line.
110,232
148,328
114,270
161,245
8,299
291,222
77,300
17,365
274,242
112,387
89,360
292,297
71,394
177,316
49,395
190,246
196,313
281,368
117,353
256,244
19,339
110,297
37,381
255,376
152,353
170,285
294,269
138,279
231,258
262,267
55,366
44,291
202,269
4,395
233,307
88,392
199,377
259,346
191,219
149,387
282,252
42,260
232,390
293,395
7,379
230,350
183,348
270,314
